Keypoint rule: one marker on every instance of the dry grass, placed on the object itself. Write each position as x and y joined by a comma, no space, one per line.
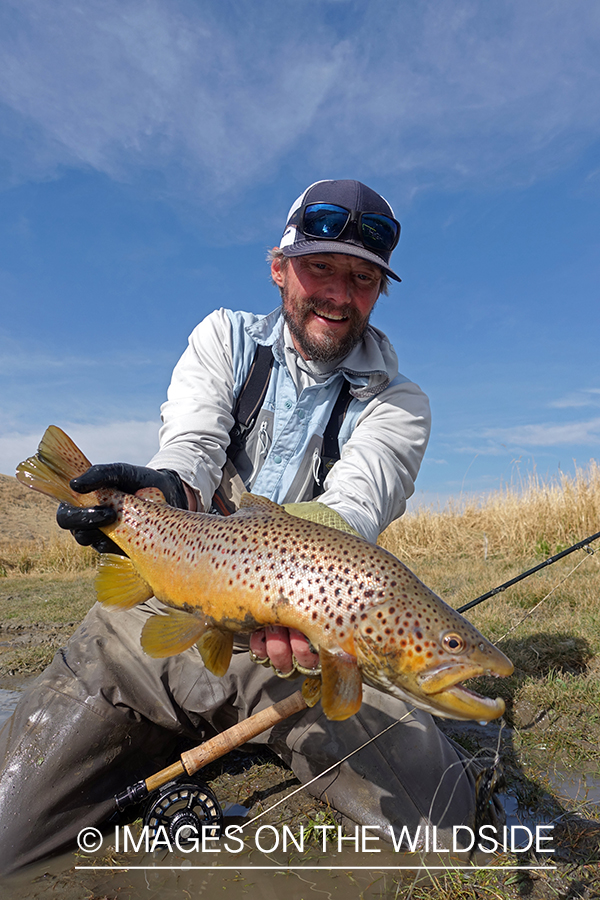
535,518
59,555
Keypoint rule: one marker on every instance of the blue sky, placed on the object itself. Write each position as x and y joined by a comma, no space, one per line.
150,150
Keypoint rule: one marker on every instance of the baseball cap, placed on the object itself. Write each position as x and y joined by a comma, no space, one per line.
342,216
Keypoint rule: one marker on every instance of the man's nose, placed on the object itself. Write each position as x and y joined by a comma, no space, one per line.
339,288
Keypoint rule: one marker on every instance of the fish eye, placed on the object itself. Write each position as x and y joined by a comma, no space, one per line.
453,642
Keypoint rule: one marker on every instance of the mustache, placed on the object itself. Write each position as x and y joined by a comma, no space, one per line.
317,305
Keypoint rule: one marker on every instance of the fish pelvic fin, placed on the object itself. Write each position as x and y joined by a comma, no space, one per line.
216,648
56,462
311,690
171,633
341,691
119,584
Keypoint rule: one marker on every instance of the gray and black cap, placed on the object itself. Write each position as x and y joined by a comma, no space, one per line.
364,235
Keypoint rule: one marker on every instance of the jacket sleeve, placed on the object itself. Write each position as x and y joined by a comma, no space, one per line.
376,472
197,415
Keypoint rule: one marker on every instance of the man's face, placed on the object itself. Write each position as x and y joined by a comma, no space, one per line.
327,301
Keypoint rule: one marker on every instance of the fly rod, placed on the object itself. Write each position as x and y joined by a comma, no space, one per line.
193,760
547,562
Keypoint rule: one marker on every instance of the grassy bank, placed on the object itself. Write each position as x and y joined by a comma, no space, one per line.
549,625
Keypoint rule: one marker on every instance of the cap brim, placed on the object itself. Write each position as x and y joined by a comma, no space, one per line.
303,248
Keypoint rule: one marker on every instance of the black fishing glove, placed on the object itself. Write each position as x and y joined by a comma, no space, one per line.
84,523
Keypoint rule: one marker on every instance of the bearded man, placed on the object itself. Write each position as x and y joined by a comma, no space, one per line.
306,402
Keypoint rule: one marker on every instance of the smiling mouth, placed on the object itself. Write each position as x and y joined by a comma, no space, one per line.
330,318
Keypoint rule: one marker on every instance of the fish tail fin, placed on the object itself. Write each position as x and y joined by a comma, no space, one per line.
56,462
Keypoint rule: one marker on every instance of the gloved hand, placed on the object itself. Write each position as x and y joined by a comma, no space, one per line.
84,523
287,650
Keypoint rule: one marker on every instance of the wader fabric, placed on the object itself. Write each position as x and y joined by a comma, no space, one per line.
104,715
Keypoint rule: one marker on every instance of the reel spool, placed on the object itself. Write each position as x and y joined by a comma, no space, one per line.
184,808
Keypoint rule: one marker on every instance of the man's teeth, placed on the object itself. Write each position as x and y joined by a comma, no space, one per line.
333,318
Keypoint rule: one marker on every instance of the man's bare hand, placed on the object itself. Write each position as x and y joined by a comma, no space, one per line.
285,648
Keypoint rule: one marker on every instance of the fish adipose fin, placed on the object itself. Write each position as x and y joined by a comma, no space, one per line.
341,692
119,584
215,648
56,462
172,633
254,501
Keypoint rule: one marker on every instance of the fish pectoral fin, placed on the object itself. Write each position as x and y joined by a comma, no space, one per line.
341,692
153,494
119,584
255,501
172,633
215,648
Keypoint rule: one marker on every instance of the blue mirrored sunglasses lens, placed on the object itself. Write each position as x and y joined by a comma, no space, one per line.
378,232
324,220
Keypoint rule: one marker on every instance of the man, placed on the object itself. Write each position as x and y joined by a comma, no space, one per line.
104,715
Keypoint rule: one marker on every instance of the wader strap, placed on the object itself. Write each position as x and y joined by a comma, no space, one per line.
330,452
250,399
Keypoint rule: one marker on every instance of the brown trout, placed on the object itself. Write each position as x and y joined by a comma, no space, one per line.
368,616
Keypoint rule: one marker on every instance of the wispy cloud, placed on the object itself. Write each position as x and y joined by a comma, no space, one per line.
214,97
576,399
548,434
135,442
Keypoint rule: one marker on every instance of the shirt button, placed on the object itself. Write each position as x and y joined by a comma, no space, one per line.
300,413
277,459
288,404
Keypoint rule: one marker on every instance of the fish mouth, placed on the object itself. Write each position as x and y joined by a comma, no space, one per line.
445,691
461,703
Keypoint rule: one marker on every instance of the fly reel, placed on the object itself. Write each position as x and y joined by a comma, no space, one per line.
183,809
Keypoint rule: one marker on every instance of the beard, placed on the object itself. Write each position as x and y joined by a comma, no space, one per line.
324,347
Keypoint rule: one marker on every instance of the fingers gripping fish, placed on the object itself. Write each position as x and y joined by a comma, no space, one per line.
369,617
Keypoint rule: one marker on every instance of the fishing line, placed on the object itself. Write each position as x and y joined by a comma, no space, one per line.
465,763
326,772
530,612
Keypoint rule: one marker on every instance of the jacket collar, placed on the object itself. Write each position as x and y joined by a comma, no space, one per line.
369,367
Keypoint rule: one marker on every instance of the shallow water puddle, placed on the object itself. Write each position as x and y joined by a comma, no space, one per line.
575,787
11,689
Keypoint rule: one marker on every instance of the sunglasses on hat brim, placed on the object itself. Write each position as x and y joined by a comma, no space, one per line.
327,221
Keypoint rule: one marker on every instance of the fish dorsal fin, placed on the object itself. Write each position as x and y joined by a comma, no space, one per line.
341,692
255,501
171,633
153,494
215,648
118,583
